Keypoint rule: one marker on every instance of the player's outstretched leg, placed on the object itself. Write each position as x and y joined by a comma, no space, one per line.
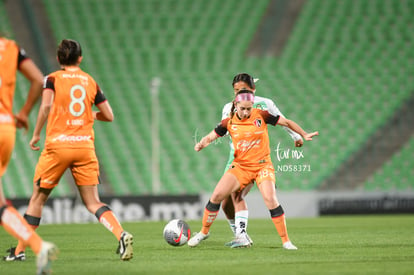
17,226
107,218
278,218
18,253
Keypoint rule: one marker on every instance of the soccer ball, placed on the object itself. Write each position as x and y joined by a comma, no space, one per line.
177,232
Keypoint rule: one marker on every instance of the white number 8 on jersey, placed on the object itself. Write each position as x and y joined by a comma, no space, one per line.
77,100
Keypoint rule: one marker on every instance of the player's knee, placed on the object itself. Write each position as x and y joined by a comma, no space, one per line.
270,202
216,198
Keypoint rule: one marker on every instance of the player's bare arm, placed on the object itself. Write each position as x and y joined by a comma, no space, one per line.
295,127
35,76
205,141
44,110
105,112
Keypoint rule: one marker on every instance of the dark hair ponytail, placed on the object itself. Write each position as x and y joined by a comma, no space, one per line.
68,52
246,78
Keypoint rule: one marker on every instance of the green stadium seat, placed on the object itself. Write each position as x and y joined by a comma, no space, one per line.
331,66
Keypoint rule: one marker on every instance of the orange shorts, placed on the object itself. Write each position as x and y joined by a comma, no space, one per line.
83,164
7,140
249,174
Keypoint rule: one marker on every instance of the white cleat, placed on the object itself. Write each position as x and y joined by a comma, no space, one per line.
196,240
235,239
47,254
241,241
289,246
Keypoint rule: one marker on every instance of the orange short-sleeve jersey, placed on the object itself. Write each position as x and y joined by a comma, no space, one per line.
249,136
10,57
70,121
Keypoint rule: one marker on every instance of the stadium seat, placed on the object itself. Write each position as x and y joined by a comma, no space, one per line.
334,70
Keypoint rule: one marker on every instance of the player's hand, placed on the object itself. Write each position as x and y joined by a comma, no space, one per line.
35,139
310,135
198,146
299,143
22,121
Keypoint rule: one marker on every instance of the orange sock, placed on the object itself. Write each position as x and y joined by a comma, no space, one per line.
280,224
18,227
210,214
108,219
278,218
34,224
20,247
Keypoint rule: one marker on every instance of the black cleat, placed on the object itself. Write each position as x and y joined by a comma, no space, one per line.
12,257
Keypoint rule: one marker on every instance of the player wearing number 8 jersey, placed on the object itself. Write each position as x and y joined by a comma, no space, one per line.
67,100
72,120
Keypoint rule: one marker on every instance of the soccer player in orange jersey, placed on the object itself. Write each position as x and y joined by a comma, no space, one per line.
247,127
67,100
12,58
235,207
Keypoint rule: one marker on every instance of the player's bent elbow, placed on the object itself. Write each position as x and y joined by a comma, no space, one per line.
109,117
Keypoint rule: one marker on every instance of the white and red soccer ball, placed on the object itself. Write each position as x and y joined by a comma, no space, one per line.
177,232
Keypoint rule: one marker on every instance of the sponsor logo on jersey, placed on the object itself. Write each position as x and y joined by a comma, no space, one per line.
65,138
244,145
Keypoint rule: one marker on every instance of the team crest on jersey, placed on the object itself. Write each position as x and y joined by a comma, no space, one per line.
258,122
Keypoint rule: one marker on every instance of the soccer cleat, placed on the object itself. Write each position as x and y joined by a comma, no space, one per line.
250,240
289,246
241,241
12,257
47,254
196,240
231,242
125,246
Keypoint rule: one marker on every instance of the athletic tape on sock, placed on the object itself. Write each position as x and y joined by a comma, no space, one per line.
101,210
276,212
213,207
35,221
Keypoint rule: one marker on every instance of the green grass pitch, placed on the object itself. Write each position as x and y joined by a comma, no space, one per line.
327,245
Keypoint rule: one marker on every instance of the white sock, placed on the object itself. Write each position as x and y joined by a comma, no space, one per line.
241,222
232,226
